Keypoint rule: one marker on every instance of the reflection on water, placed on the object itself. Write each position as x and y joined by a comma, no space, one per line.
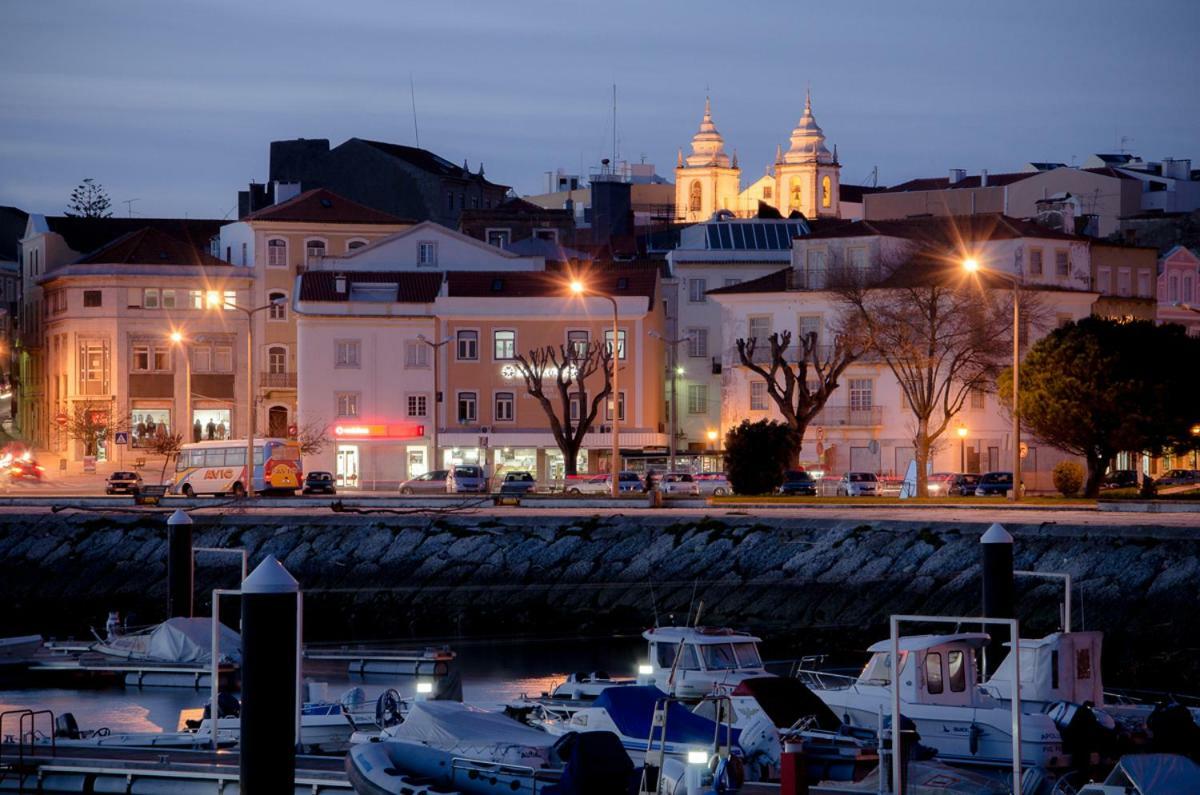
493,673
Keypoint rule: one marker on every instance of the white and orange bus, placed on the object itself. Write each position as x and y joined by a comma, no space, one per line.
219,467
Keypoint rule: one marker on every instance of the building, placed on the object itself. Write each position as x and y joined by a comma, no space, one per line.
108,353
275,244
403,181
518,220
1178,275
651,197
1125,277
865,425
12,229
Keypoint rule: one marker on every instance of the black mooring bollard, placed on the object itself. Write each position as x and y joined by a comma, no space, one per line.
179,565
269,640
998,591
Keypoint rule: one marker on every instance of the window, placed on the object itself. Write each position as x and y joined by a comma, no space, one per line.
1104,281
1062,262
816,261
347,404
504,407
1035,261
467,403
977,398
809,324
795,195
608,407
467,346
695,196
697,398
416,354
957,671
1123,282
276,360
313,250
346,353
608,342
417,405
91,298
498,237
150,298
577,342
1062,319
222,359
696,290
427,253
766,191
732,282
449,201
758,396
195,299
202,359
168,299
141,358
93,367
1143,289
933,672
1172,288
1187,288
504,345
230,300
546,234
826,192
576,408
243,255
278,311
697,343
861,393
355,245
276,253
759,328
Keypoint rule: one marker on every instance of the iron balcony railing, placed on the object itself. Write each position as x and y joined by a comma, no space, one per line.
277,380
862,417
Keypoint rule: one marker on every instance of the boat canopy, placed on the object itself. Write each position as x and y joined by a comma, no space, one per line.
699,635
1147,774
631,709
922,642
786,700
176,640
474,733
1063,666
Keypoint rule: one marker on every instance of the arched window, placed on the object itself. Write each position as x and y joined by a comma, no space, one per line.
794,195
278,311
276,360
826,191
355,245
694,201
277,253
313,250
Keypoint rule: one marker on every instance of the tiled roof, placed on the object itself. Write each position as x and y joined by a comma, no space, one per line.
538,284
411,287
776,282
323,206
946,230
153,246
426,161
943,183
88,234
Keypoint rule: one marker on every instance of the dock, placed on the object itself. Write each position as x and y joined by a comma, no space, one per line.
365,660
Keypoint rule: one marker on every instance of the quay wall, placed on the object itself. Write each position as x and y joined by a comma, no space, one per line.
810,584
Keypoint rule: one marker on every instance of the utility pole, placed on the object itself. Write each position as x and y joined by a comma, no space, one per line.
437,394
672,406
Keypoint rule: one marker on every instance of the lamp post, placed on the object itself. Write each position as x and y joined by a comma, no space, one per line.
962,448
673,405
177,339
437,393
579,288
972,266
216,300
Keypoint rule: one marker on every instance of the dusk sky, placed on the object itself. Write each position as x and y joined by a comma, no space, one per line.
174,103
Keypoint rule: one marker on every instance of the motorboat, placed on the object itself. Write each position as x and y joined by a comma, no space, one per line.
694,662
67,734
470,750
940,693
184,641
325,726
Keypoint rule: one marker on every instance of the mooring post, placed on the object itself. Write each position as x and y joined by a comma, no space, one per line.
998,590
179,565
270,637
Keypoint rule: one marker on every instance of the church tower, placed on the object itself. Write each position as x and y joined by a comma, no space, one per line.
706,180
807,174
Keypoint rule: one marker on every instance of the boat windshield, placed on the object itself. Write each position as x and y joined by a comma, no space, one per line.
665,654
718,656
747,655
878,670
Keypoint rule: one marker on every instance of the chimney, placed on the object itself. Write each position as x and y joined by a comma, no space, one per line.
339,284
957,175
983,178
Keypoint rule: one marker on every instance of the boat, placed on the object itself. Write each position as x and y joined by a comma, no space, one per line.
939,692
1148,774
67,734
473,751
325,726
176,640
695,662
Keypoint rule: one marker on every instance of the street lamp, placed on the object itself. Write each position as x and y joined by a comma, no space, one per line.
971,265
580,289
675,370
437,394
177,339
962,448
216,300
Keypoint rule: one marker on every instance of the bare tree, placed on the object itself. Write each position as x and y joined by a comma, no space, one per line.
557,378
89,200
168,445
88,423
313,437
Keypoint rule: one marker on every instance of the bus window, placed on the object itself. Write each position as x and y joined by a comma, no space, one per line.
258,456
197,458
214,457
235,456
283,452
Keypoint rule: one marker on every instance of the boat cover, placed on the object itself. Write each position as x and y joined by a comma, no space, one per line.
632,709
176,640
1149,774
474,733
786,700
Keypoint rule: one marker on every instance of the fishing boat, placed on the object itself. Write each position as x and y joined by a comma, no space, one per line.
695,662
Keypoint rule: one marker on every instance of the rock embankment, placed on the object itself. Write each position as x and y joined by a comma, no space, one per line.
814,583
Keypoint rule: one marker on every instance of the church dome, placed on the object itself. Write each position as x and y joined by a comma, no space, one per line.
808,140
708,147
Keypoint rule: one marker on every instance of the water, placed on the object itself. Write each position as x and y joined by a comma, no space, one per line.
493,673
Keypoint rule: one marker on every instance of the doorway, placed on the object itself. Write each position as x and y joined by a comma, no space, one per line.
347,466
277,422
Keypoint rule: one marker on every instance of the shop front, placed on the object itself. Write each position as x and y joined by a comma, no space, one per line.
149,422
376,457
210,424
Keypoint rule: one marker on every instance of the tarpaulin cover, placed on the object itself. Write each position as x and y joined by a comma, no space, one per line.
786,700
176,640
1150,774
474,733
632,709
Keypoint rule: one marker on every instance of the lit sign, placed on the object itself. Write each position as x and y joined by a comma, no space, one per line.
403,430
511,371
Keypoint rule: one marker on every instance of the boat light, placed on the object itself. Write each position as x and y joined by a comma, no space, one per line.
645,670
697,757
425,688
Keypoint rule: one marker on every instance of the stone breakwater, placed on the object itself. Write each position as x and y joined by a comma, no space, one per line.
810,584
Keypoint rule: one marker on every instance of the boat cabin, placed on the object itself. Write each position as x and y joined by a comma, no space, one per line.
945,667
702,658
1063,666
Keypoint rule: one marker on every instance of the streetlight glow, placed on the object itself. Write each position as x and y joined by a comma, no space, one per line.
213,299
962,432
679,371
971,264
712,436
176,337
578,287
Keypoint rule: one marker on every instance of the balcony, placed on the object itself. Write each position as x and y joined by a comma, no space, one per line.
277,380
849,416
842,276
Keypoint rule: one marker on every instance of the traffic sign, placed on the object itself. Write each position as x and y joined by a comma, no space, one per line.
121,437
1024,450
61,418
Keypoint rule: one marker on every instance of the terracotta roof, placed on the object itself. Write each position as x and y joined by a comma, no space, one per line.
943,183
427,161
88,234
323,206
946,230
539,284
153,246
411,287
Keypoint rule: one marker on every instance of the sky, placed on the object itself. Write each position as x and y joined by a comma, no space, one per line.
172,105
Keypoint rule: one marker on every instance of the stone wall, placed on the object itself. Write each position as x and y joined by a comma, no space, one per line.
813,585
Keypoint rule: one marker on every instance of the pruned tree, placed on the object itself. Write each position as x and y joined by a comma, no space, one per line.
557,377
89,200
88,423
168,446
313,437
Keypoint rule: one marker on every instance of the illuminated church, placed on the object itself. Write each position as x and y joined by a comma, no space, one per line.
803,179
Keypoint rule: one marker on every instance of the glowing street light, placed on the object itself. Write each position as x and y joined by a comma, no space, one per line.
971,264
579,288
177,339
962,448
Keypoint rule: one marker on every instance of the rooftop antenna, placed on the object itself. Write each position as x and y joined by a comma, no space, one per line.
873,177
412,92
614,141
1125,139
129,205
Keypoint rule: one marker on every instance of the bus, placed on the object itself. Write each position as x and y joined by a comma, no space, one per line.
219,467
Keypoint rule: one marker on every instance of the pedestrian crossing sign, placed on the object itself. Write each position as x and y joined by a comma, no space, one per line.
121,437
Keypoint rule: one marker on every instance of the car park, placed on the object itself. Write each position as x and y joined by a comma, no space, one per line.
123,482
679,483
467,479
319,483
995,484
518,483
430,483
714,484
858,484
797,482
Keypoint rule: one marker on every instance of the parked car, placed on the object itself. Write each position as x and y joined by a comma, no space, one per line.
679,483
430,483
993,484
600,484
1179,477
1120,479
715,484
467,479
518,483
940,483
857,484
123,483
319,483
962,485
798,482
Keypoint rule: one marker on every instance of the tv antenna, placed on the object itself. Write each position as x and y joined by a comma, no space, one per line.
873,177
412,92
1125,139
129,205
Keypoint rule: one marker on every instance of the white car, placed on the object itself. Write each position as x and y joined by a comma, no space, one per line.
713,483
600,484
679,483
858,484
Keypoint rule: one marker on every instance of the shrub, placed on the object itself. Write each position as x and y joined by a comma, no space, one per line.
1068,478
757,454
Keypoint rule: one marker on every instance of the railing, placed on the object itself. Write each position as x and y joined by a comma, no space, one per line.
834,416
277,380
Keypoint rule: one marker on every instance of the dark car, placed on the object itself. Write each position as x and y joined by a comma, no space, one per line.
1120,479
995,484
123,483
797,481
961,485
518,483
1179,477
319,483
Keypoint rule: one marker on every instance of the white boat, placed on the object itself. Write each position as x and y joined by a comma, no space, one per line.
693,662
67,734
940,693
325,726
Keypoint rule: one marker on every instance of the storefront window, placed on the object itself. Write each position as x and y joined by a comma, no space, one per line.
555,468
417,465
145,425
211,424
514,459
456,456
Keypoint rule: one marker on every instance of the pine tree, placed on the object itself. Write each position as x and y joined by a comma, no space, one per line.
89,200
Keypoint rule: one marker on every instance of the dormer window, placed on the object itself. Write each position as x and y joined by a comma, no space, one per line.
427,253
